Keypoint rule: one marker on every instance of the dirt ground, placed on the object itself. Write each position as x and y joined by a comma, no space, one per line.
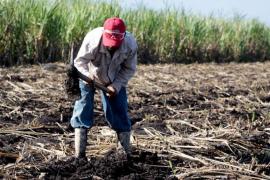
199,121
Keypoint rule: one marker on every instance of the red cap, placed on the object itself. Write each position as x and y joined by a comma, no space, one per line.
114,32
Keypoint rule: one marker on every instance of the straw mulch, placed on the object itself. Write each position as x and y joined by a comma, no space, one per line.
189,122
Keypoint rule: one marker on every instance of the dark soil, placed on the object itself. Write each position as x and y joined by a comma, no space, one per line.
215,113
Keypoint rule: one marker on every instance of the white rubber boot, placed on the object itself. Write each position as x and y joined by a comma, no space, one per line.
80,142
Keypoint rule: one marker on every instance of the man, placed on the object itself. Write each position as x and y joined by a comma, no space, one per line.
108,55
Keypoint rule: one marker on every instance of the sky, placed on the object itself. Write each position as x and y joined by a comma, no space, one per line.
226,8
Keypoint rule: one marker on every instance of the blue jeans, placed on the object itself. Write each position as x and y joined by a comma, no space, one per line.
115,109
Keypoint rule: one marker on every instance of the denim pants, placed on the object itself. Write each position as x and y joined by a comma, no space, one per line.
115,109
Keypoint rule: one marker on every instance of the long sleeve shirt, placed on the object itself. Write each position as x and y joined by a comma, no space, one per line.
95,61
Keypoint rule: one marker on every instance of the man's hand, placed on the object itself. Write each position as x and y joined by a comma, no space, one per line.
112,92
91,82
92,77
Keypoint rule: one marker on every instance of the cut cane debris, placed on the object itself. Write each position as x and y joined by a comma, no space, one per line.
189,121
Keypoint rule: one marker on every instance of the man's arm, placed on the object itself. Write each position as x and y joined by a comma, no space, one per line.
128,68
83,58
86,52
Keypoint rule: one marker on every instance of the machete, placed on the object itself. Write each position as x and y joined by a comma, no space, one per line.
90,81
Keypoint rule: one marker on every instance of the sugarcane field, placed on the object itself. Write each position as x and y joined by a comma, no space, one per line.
97,90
